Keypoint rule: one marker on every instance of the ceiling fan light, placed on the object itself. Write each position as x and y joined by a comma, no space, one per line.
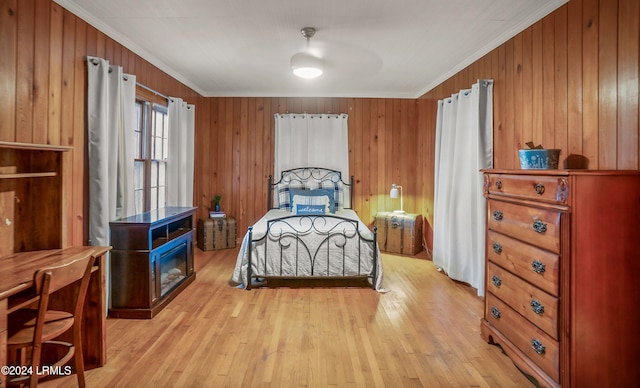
307,72
306,66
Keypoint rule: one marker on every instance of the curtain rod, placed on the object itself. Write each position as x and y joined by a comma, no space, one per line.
95,61
152,91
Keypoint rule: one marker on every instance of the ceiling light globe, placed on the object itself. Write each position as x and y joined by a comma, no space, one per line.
306,66
307,72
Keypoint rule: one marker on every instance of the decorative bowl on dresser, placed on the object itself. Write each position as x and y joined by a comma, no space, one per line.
562,267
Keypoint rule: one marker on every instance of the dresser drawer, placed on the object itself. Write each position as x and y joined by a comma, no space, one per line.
551,189
537,306
543,350
539,227
537,266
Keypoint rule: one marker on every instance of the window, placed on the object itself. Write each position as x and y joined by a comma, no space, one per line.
152,141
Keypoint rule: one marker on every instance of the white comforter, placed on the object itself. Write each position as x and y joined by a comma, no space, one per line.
289,257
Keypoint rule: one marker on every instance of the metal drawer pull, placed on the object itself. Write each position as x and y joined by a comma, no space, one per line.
539,188
497,248
539,226
537,346
537,266
496,281
536,306
499,184
497,215
495,312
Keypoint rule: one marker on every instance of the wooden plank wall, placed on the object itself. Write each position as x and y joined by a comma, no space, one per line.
43,89
570,81
234,151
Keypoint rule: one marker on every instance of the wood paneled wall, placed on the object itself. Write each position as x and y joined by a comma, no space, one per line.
43,90
570,81
234,151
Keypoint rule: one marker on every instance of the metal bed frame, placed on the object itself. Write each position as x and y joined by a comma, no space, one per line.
333,240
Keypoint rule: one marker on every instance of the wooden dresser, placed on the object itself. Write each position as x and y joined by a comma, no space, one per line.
562,274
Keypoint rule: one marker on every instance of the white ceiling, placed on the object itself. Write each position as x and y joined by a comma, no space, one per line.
371,48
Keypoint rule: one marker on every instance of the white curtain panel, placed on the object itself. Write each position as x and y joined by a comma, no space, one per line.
328,142
311,140
291,140
180,164
464,145
111,121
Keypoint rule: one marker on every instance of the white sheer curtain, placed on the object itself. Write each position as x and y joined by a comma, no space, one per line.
111,122
464,145
180,167
311,140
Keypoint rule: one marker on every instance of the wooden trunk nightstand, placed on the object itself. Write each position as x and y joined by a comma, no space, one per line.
218,233
399,232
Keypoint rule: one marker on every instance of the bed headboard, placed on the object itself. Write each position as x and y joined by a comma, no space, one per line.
309,178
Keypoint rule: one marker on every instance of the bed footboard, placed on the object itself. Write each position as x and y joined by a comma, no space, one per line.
313,247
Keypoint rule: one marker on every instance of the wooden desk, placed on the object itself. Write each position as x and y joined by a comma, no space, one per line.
16,274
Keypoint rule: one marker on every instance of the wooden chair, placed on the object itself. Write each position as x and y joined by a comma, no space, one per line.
31,328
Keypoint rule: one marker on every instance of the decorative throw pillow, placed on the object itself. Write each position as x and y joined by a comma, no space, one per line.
283,196
310,210
335,193
328,193
312,200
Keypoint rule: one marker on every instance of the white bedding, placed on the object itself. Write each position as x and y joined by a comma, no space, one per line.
294,255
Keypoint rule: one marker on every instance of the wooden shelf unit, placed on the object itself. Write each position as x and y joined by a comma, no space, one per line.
28,175
151,260
30,197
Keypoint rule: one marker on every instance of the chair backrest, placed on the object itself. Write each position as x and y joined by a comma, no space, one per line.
47,281
51,279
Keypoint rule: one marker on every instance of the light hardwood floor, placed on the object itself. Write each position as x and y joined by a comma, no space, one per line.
424,333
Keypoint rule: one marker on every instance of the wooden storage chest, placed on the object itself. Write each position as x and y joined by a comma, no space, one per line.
561,274
399,232
216,233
